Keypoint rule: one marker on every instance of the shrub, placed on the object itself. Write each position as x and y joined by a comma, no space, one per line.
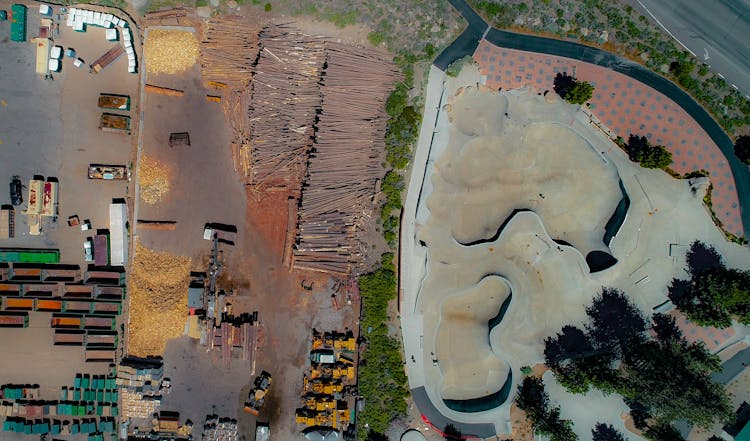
267,7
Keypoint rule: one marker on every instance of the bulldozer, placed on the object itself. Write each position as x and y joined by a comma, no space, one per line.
257,394
305,416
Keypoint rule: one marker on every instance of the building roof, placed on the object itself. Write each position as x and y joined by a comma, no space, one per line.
194,297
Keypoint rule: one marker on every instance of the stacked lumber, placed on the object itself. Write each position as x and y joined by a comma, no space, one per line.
345,163
286,98
228,51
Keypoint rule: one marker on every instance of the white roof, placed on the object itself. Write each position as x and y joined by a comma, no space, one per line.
108,17
45,9
115,21
107,24
131,69
110,34
72,10
56,52
129,50
69,20
78,25
54,64
123,23
78,62
127,43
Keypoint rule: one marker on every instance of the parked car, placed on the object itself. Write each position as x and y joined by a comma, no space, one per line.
16,191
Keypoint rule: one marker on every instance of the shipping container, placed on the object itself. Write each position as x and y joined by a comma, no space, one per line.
109,122
16,273
99,322
28,255
10,289
100,355
115,293
18,23
7,222
14,319
69,275
49,305
107,308
96,339
101,250
66,321
18,304
69,337
41,290
78,291
77,306
115,278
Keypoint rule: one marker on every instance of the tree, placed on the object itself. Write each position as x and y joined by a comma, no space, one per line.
641,151
615,323
532,398
580,93
742,148
375,436
715,296
702,257
572,90
451,433
606,432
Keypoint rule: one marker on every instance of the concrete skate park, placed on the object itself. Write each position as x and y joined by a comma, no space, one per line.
520,209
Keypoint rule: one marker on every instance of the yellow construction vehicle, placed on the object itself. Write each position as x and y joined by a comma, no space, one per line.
217,84
305,416
213,98
345,360
350,372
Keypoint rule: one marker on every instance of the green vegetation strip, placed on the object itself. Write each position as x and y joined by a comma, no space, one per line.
382,381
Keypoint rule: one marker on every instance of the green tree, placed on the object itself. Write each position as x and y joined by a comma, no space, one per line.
713,297
742,148
641,151
267,7
572,90
606,432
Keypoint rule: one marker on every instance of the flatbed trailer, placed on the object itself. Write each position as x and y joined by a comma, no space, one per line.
108,58
108,172
7,222
114,102
111,122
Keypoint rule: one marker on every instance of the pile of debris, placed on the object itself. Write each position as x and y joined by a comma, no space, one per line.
346,161
286,97
158,300
140,381
170,51
153,179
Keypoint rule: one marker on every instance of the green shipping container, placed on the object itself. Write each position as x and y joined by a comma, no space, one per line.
18,23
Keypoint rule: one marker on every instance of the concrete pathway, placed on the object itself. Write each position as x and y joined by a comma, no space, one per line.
625,106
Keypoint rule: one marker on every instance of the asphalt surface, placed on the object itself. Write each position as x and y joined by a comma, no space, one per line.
440,422
467,42
715,32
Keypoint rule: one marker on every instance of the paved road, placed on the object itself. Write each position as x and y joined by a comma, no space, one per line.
467,42
732,367
716,32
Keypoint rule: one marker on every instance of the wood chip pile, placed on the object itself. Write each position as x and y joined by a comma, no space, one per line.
346,160
286,98
153,179
158,300
170,51
228,51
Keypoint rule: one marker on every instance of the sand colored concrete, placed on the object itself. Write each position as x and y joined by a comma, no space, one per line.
482,185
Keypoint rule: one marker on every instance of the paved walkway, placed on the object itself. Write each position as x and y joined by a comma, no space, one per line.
626,106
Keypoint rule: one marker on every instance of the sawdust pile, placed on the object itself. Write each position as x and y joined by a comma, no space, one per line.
170,51
158,300
154,180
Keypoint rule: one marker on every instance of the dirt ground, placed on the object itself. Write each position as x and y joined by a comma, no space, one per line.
50,128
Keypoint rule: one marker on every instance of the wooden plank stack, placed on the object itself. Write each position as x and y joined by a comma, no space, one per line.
286,98
345,162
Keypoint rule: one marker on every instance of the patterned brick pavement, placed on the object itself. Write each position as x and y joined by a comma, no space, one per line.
626,106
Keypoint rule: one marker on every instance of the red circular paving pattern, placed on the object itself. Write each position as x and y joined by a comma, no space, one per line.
625,106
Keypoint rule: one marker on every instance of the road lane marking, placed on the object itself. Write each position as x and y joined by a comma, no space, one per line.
665,28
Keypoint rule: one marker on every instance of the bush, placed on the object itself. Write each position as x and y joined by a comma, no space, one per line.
267,7
572,90
382,380
742,148
455,68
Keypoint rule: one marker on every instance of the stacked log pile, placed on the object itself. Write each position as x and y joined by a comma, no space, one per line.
286,98
345,163
228,52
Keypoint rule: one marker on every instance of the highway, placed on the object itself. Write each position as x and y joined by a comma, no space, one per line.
717,32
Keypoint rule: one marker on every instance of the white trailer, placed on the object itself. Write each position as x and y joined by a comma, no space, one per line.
118,233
